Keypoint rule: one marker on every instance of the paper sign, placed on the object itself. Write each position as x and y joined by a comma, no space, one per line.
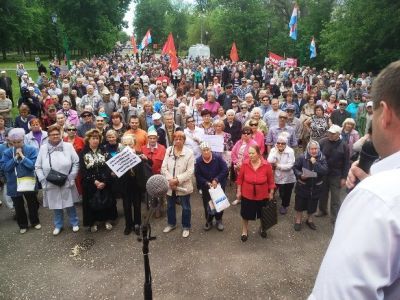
309,174
216,142
123,161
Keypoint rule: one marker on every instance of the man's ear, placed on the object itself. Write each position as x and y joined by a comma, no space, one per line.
386,117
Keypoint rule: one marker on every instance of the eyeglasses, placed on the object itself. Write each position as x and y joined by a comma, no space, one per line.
254,124
243,107
71,129
234,102
246,133
278,143
190,121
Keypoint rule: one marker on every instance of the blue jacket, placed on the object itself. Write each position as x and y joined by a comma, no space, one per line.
24,167
216,169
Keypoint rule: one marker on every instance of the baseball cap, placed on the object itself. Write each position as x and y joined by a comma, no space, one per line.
369,104
342,101
290,107
156,116
152,133
335,129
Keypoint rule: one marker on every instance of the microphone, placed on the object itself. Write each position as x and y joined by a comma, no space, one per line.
368,156
157,186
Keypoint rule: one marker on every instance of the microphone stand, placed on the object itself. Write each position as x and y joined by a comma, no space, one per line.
146,238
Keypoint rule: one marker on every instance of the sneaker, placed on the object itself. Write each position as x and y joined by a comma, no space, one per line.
207,226
200,192
93,228
283,210
185,233
56,231
22,230
220,226
38,226
236,202
169,228
75,228
108,226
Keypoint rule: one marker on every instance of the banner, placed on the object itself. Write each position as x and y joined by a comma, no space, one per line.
275,59
291,62
234,54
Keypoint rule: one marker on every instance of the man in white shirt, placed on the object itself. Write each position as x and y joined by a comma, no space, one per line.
271,117
363,258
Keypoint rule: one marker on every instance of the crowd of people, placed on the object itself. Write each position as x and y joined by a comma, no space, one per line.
281,129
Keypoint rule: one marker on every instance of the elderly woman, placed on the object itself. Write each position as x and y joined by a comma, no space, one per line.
178,168
255,187
349,134
211,104
257,135
71,115
282,159
22,120
220,114
132,186
126,111
18,162
36,137
96,179
240,152
232,126
255,116
181,115
61,157
309,186
207,122
243,115
210,170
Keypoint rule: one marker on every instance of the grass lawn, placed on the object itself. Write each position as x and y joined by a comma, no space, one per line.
10,67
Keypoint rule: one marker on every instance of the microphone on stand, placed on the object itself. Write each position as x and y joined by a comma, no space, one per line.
157,187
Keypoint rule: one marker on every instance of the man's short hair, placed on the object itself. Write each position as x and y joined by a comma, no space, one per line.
386,87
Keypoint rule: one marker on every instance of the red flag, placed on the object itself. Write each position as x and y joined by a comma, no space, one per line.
234,55
169,48
133,42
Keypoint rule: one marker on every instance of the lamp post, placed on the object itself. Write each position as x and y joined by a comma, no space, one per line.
54,21
268,30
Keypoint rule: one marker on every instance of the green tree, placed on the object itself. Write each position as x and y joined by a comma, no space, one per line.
362,35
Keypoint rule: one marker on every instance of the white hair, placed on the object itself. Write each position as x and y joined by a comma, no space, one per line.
230,112
256,109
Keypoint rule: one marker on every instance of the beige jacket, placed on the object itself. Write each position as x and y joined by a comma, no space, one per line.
184,169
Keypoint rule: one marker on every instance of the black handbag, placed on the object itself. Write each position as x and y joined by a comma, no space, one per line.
101,199
269,214
56,177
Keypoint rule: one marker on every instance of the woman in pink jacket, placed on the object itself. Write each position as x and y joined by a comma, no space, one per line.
240,151
71,116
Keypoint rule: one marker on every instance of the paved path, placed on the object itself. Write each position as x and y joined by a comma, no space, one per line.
207,265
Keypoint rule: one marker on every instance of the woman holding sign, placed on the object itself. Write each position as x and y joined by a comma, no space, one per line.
210,170
97,202
309,169
255,187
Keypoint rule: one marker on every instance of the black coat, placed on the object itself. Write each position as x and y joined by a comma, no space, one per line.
311,187
90,174
235,131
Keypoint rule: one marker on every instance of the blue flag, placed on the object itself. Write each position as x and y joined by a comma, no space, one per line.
293,24
313,49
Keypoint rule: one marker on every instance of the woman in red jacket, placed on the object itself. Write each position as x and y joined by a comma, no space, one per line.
255,187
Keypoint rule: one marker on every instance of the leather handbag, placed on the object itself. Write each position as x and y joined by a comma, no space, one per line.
101,199
269,214
55,177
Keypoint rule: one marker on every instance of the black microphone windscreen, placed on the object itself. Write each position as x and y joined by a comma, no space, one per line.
368,156
157,186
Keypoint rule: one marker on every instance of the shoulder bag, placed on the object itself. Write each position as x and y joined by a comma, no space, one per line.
56,177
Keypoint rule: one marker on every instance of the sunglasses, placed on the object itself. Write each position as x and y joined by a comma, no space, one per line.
342,104
254,124
234,102
278,143
71,129
246,133
243,107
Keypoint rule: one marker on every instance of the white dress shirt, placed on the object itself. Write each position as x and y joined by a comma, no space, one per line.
363,258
